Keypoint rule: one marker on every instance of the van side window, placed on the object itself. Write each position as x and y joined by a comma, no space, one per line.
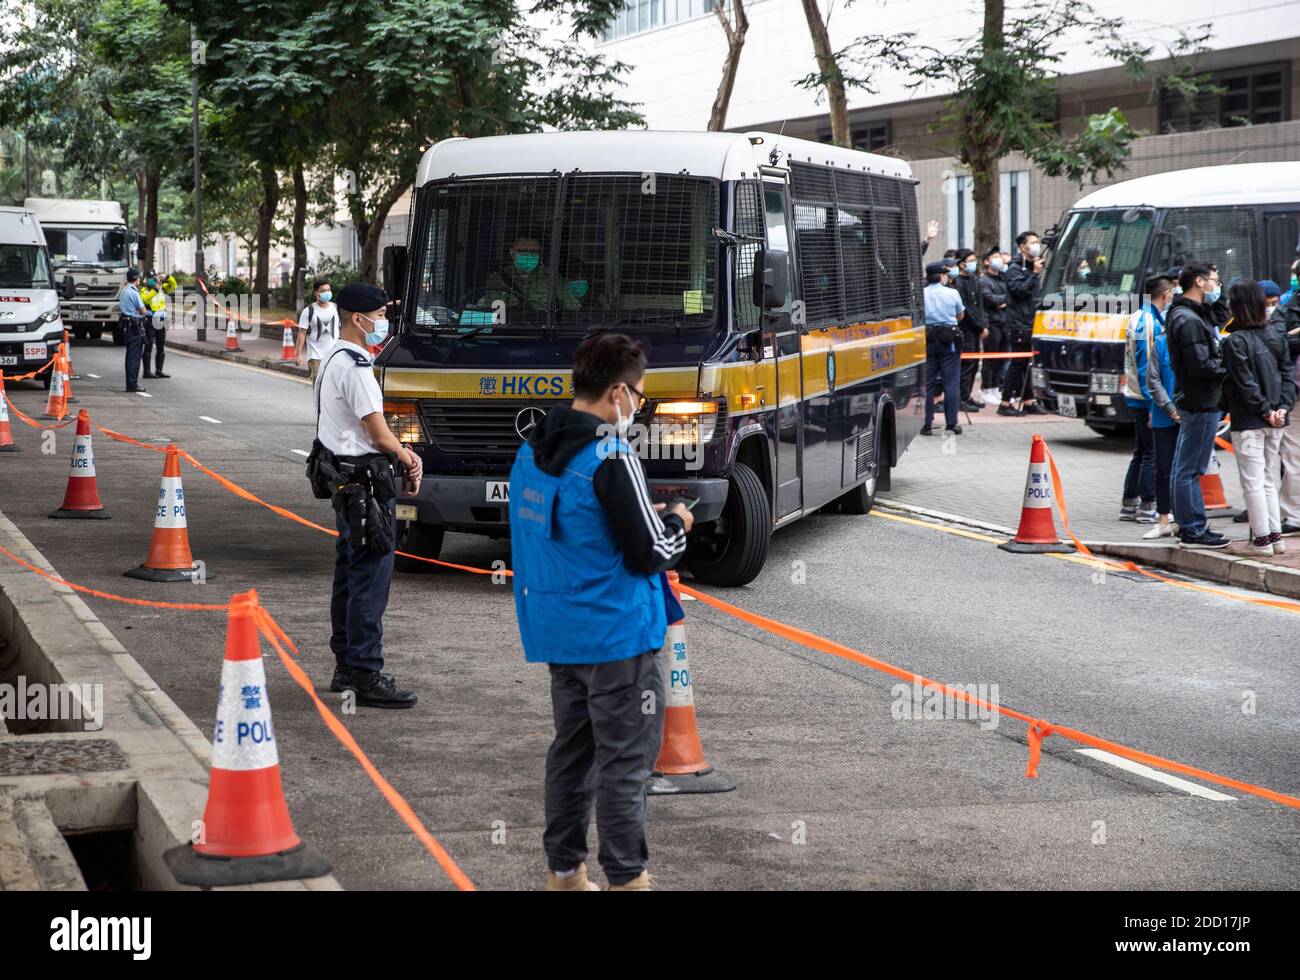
777,236
749,221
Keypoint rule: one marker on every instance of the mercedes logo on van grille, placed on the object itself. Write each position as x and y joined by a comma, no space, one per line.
527,420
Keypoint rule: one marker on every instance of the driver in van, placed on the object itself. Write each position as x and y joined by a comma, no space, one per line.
523,282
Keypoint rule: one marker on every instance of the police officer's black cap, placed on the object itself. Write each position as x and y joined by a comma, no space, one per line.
132,274
361,297
934,268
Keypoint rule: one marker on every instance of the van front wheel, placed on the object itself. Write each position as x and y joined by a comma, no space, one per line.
733,551
420,541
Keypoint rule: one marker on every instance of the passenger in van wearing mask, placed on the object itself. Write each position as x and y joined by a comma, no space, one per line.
523,281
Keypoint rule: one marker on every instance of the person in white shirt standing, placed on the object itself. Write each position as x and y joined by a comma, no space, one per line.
318,328
374,467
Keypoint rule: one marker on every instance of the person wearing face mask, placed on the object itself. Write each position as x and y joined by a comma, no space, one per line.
1023,288
993,297
318,328
1196,357
523,282
351,428
973,329
589,550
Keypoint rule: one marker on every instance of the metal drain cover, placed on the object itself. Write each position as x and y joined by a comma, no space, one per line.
48,758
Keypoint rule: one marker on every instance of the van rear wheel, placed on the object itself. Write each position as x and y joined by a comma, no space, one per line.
421,540
862,498
734,550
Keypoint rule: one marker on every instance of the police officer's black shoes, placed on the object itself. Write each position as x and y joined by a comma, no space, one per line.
342,680
148,375
377,689
136,390
926,430
159,374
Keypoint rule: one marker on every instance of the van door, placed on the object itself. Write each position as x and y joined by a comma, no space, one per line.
781,336
1281,238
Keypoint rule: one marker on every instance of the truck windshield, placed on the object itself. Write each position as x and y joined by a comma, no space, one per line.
1100,252
24,267
1224,237
575,252
100,247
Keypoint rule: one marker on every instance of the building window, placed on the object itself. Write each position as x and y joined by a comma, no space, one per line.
1013,208
645,15
1249,96
870,137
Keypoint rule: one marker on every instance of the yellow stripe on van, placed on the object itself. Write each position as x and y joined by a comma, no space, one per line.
532,384
1063,325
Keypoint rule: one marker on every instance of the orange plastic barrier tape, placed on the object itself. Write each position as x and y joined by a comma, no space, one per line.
276,636
975,355
286,322
31,374
33,422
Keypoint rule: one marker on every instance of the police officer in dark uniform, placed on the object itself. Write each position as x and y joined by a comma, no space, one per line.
134,315
369,468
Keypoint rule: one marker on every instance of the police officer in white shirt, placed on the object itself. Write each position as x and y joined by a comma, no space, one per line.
351,426
318,328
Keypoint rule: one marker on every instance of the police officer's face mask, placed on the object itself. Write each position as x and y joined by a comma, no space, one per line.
378,330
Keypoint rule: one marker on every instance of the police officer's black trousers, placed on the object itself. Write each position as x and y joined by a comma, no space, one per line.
134,348
605,745
942,367
155,339
358,602
970,344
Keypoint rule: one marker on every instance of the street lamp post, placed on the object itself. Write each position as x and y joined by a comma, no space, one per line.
199,266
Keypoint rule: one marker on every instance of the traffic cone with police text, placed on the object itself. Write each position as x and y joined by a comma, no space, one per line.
7,444
680,767
232,334
1037,531
246,835
169,558
1216,501
288,351
81,499
56,404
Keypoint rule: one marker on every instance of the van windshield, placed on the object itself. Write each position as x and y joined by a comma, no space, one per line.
24,267
581,252
100,247
1100,252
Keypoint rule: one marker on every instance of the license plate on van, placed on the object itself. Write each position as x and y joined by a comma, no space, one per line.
498,492
8,359
34,352
1066,406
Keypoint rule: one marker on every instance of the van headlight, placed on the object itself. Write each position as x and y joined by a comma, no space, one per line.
684,423
403,418
1104,383
49,316
1038,378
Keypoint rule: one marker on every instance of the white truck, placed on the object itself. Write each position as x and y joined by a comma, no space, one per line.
89,241
31,329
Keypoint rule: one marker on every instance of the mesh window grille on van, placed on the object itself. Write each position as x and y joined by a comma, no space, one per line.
858,247
576,251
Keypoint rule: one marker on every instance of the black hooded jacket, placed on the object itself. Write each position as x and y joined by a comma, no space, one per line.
1195,355
650,542
1261,375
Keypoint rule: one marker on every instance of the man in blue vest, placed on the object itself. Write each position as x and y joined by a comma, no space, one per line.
588,550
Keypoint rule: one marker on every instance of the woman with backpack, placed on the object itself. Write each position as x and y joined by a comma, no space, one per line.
1259,393
318,328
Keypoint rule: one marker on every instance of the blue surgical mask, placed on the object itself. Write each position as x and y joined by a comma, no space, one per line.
1214,296
527,261
326,296
578,288
996,265
971,267
379,332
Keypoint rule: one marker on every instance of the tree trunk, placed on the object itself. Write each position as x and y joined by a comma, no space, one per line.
370,228
735,42
983,149
151,182
265,225
299,236
836,99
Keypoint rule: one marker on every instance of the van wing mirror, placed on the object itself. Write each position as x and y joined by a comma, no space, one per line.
394,271
771,284
68,288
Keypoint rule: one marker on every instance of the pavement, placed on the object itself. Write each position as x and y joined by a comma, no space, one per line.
837,787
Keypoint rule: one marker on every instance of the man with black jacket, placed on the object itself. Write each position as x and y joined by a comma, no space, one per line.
1197,359
1023,288
1285,320
973,329
589,549
993,303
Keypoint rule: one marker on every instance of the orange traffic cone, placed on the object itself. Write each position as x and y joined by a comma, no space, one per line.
1037,531
246,835
56,405
680,767
169,558
232,334
81,499
67,349
68,396
1216,501
288,351
6,433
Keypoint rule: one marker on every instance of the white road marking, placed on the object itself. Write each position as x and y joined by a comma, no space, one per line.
95,376
144,394
302,452
688,598
1170,780
209,418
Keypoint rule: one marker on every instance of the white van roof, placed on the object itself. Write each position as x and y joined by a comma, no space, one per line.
1235,183
723,156
54,210
18,226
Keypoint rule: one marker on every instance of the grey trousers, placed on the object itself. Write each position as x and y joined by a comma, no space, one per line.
609,721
